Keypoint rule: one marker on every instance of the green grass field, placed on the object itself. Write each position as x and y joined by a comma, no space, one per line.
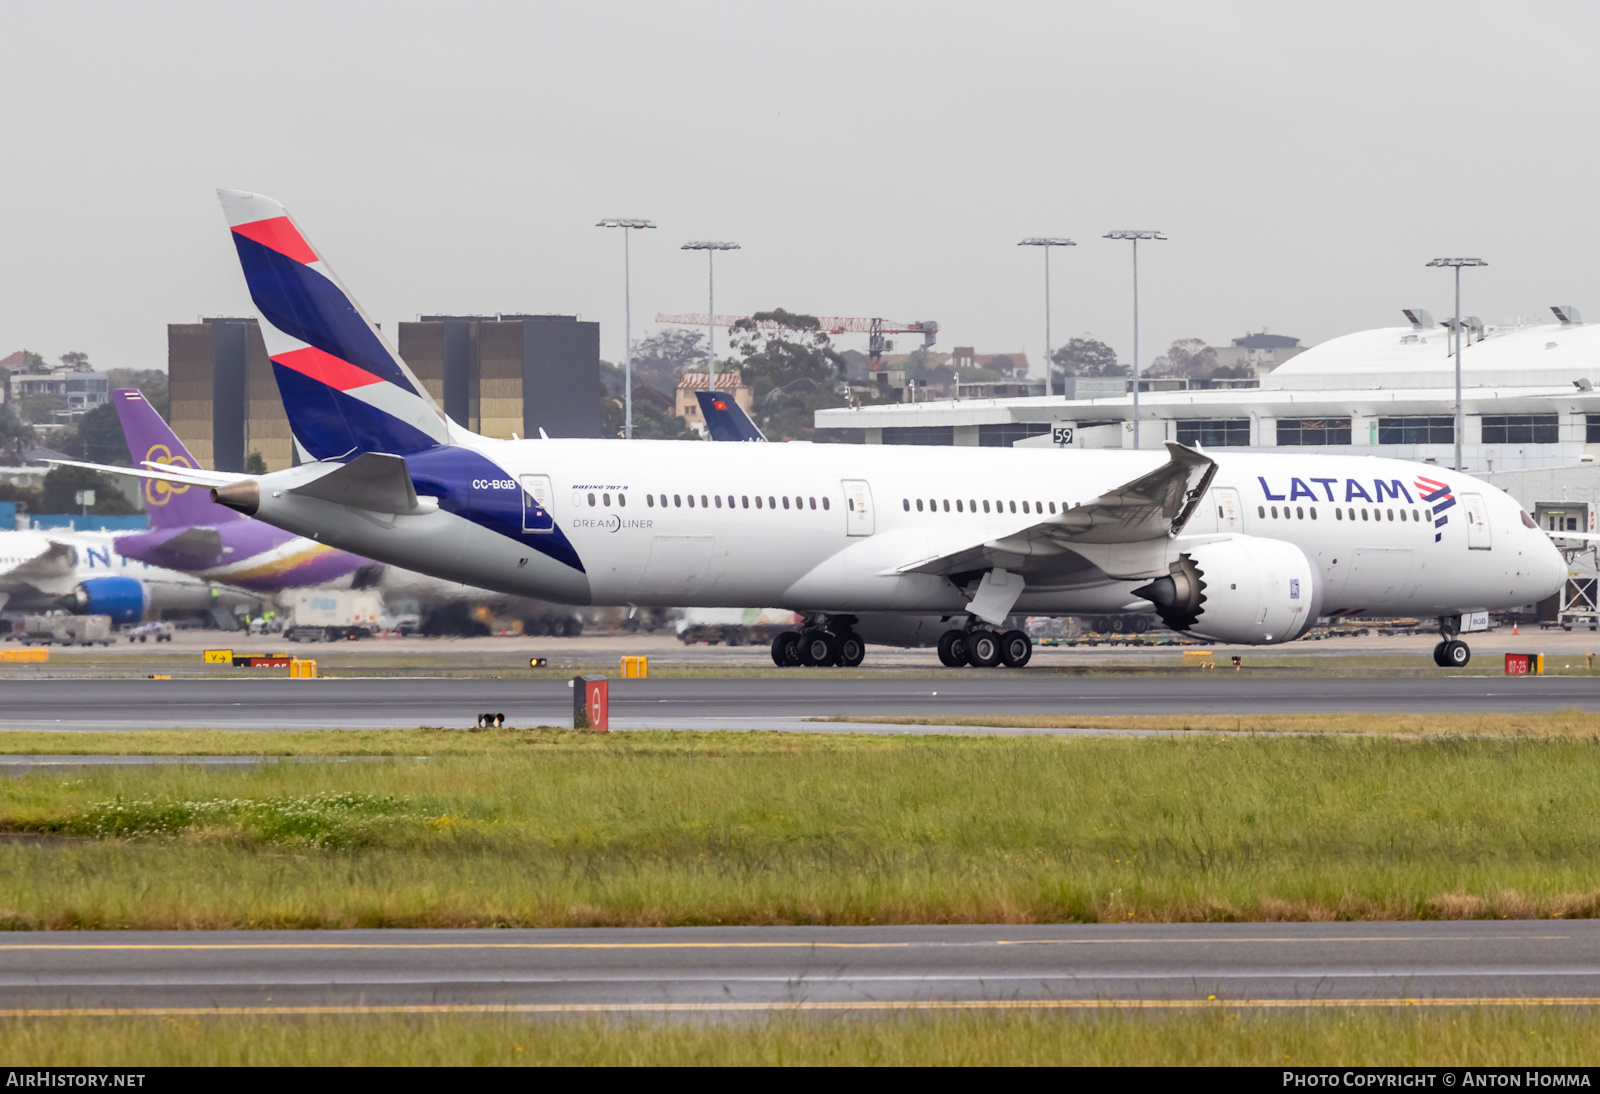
1220,1037
1557,723
561,829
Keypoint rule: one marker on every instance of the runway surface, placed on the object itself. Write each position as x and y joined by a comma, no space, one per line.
747,703
841,967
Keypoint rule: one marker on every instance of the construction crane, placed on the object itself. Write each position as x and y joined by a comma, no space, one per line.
874,329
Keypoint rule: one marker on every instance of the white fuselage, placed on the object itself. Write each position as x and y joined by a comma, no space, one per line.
677,523
38,568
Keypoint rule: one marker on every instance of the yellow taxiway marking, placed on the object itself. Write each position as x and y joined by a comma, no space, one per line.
714,1008
9,947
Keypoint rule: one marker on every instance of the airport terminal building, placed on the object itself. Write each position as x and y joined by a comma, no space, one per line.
1528,400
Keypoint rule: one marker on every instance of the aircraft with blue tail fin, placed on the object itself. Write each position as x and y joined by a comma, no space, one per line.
725,419
908,545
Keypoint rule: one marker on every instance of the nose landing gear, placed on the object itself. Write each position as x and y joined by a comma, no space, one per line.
1452,653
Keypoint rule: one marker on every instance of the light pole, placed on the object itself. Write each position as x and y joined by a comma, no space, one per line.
1046,242
626,223
1457,263
1135,236
711,301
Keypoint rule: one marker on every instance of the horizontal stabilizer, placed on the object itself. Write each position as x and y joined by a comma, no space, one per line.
374,481
187,476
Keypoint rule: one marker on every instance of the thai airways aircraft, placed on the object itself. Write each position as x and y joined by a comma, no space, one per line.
904,545
192,533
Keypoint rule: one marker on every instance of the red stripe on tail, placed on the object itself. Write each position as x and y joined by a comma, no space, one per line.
281,236
326,368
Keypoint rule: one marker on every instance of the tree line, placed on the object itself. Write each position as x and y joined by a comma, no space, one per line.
94,437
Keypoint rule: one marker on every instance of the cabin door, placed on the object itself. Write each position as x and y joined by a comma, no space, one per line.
1230,518
536,504
1478,538
858,516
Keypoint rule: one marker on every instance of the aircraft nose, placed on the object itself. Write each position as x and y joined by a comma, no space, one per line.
1552,570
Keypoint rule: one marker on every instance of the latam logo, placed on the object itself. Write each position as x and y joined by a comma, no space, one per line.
1438,495
1429,492
1353,490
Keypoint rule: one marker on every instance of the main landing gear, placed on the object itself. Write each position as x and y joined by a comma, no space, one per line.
984,649
826,642
1452,653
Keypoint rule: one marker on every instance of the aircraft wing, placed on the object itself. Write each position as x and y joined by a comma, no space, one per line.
1585,537
47,569
1152,507
187,476
57,560
194,543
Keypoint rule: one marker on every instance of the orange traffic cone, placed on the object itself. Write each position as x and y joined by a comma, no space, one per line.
1513,626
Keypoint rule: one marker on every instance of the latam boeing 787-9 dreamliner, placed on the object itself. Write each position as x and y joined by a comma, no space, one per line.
882,543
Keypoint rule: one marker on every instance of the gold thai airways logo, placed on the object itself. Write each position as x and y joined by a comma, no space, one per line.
157,492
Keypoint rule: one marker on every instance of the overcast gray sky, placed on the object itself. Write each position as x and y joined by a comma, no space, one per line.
872,158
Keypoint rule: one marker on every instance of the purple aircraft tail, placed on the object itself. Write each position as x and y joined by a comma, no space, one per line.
151,440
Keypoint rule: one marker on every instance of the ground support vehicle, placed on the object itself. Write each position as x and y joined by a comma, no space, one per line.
333,616
61,629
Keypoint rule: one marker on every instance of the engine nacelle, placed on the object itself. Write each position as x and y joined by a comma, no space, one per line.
1241,589
122,598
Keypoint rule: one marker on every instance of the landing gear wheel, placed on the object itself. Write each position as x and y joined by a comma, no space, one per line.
1456,654
786,649
818,649
1102,624
983,649
1015,649
953,649
1438,655
852,651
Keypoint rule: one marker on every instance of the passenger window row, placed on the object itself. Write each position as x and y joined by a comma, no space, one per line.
741,501
971,506
1300,513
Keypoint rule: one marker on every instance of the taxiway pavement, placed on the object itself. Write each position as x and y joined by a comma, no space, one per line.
842,967
778,703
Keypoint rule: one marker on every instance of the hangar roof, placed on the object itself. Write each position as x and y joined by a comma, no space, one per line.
1403,357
